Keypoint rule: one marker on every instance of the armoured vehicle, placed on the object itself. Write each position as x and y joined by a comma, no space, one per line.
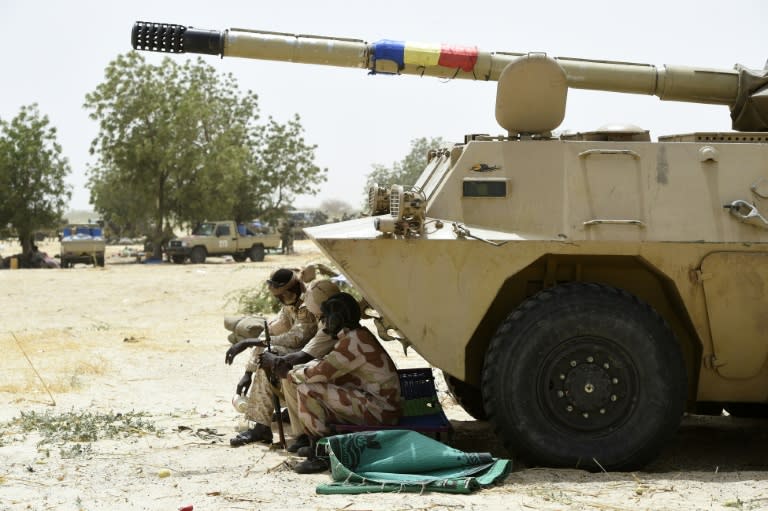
220,238
581,291
82,243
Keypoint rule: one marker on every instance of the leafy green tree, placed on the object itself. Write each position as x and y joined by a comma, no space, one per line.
180,143
337,209
406,171
282,166
172,143
33,192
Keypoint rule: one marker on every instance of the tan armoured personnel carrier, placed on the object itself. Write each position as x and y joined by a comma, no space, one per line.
582,291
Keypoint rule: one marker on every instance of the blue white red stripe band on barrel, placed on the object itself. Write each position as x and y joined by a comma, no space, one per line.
425,55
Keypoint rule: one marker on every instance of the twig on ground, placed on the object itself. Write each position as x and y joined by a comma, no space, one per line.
53,401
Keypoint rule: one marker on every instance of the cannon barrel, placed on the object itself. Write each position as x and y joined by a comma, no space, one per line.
674,83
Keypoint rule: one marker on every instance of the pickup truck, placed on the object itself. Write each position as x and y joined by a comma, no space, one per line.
221,238
82,243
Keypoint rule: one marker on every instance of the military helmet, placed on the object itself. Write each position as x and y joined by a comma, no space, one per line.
319,291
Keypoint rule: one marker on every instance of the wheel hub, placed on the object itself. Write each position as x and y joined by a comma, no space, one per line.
587,384
588,387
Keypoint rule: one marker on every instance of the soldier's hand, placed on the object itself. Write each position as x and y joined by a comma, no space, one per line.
239,347
267,361
281,368
244,384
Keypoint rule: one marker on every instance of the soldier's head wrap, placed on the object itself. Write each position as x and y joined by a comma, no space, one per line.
340,311
285,285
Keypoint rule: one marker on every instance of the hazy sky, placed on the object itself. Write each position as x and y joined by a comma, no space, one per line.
54,52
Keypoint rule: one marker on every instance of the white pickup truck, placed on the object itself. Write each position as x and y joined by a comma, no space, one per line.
82,243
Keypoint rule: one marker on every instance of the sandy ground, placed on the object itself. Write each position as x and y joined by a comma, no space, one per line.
149,338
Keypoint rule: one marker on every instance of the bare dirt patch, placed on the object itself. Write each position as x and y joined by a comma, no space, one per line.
148,340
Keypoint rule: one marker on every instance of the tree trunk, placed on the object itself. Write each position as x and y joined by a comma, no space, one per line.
26,242
157,241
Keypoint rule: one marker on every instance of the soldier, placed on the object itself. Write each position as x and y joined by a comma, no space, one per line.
356,382
290,331
286,228
320,345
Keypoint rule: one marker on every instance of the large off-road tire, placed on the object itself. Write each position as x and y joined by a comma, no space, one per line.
257,253
239,257
584,375
64,263
197,255
469,397
100,261
178,259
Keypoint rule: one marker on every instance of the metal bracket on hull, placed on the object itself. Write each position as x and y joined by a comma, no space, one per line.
747,213
461,231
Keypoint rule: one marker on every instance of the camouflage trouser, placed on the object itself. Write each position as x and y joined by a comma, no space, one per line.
320,404
259,407
291,402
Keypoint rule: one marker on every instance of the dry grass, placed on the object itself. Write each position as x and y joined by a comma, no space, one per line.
58,356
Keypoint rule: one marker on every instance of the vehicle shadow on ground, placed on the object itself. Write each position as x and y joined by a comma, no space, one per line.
702,444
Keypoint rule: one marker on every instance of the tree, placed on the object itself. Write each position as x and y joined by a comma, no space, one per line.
281,166
179,144
337,209
33,193
172,143
406,171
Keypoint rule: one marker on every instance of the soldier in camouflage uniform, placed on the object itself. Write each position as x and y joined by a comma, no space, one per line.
289,332
320,345
356,382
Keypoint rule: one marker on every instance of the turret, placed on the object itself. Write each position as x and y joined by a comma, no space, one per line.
532,88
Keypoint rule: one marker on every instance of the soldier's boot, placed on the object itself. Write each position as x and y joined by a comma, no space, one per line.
258,433
314,463
301,442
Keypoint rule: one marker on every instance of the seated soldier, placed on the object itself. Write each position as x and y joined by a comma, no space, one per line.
356,382
320,345
289,332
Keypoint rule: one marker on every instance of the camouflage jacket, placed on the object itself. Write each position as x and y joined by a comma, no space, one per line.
293,327
357,361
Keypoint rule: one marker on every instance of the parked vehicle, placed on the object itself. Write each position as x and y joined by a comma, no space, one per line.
82,243
580,291
220,238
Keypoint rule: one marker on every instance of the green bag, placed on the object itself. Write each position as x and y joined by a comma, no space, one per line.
405,461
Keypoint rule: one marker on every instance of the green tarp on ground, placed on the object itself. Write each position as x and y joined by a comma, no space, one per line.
405,461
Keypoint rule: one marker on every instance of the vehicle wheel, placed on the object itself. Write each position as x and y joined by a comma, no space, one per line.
100,261
64,263
469,397
747,410
197,256
585,375
178,259
239,257
257,253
